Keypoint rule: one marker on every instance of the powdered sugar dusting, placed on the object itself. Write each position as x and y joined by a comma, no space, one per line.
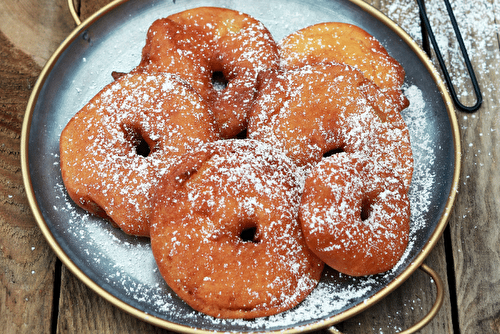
100,162
127,263
128,266
339,114
474,18
350,235
200,42
239,185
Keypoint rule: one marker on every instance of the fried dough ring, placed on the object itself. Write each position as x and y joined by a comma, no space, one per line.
313,111
355,215
203,210
346,44
204,42
113,151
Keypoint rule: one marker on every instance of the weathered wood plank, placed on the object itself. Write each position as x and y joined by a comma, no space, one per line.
474,223
87,8
81,310
36,27
26,262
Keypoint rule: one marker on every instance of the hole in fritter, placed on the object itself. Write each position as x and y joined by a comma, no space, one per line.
365,210
242,135
138,142
333,152
219,81
249,234
142,147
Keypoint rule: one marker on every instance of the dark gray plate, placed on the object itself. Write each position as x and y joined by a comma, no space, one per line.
121,268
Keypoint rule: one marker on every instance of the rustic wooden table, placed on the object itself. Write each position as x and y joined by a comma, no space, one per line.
39,295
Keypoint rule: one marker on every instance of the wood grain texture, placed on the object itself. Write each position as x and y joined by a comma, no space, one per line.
81,310
29,33
474,223
35,26
87,8
26,261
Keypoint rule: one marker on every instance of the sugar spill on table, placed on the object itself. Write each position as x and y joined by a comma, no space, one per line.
477,18
400,9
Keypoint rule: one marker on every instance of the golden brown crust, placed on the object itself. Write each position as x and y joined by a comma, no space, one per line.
225,227
197,233
199,42
311,111
101,163
346,44
355,215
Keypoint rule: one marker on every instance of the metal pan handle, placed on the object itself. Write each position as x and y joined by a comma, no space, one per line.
437,304
73,12
433,311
